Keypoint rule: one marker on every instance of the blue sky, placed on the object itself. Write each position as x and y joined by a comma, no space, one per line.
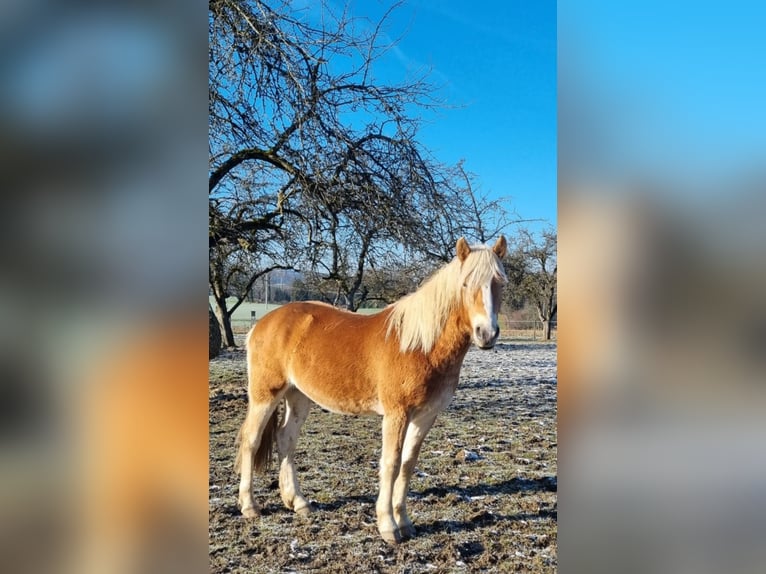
496,65
678,88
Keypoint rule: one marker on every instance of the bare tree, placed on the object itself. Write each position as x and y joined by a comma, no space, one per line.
532,268
248,238
391,273
388,218
309,149
484,218
278,103
233,272
286,160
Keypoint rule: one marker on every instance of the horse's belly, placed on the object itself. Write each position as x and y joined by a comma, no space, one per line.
342,400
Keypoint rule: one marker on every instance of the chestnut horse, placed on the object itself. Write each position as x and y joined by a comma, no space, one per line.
402,363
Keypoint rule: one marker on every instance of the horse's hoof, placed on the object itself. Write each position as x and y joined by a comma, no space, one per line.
392,538
304,511
250,512
407,531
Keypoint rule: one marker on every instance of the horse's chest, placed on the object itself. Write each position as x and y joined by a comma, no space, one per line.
437,392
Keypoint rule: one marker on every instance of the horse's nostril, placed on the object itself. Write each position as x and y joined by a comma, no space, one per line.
478,331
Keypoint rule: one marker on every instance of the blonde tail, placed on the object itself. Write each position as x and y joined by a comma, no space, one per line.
262,456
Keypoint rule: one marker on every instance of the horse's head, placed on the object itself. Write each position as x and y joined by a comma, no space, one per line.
482,277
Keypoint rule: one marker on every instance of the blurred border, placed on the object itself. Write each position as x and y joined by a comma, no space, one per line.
103,131
662,275
103,139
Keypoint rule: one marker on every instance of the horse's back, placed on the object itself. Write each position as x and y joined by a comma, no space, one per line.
309,324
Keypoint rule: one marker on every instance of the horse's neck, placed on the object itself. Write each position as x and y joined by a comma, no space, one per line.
453,342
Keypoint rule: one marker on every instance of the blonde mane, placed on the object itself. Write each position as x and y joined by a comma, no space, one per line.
419,318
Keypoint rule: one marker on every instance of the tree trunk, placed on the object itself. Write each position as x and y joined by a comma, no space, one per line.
547,330
214,336
545,319
351,300
224,321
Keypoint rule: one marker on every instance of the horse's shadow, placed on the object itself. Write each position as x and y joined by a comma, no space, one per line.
482,517
511,486
339,503
479,519
276,508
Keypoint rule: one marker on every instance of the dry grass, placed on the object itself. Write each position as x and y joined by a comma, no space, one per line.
495,513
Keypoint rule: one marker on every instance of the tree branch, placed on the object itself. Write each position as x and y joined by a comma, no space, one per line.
243,294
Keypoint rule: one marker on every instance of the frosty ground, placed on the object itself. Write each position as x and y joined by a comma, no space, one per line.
483,496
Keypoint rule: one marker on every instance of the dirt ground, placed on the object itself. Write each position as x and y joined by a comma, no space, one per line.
483,495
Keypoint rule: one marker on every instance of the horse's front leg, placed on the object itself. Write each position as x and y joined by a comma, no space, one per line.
394,428
417,429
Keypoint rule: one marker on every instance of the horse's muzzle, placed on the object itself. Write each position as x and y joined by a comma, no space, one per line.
484,339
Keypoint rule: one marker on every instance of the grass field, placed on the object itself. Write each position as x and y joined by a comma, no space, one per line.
492,511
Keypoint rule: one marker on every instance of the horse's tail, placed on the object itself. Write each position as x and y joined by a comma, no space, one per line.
262,455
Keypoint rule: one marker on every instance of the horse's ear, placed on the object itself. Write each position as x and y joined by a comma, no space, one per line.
462,249
501,247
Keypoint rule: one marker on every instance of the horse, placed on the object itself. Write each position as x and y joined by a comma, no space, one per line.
402,363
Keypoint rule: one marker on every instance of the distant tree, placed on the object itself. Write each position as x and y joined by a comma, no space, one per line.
382,284
279,295
390,283
532,269
515,264
301,291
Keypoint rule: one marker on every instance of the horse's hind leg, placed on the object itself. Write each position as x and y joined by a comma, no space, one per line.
254,436
297,407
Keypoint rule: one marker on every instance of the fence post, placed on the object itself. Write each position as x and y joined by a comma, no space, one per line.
252,318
